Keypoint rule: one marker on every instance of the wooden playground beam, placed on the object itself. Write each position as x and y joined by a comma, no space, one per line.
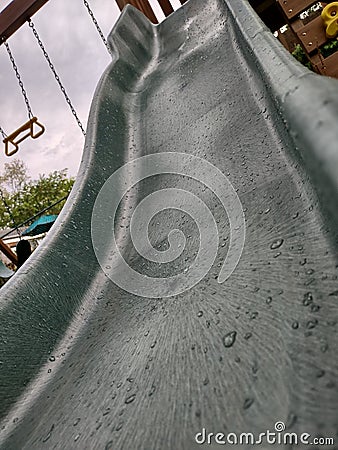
16,14
145,7
142,5
6,250
166,7
19,11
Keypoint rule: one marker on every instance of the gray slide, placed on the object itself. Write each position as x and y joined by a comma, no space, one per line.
188,291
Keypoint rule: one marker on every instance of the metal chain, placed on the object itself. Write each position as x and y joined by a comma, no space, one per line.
52,68
97,26
29,110
4,135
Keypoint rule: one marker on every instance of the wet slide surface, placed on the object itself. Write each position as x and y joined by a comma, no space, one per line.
86,364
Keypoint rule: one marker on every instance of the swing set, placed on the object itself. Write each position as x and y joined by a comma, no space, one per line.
16,14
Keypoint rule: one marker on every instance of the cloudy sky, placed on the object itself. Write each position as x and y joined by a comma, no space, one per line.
80,58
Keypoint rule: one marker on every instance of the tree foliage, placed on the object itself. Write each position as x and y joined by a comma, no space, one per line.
25,197
300,55
14,176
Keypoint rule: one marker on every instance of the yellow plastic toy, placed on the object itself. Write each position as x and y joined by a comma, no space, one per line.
14,139
330,18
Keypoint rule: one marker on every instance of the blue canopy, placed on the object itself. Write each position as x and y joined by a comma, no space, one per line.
40,225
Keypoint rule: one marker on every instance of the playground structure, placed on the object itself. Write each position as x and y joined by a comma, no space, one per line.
16,14
145,7
311,35
87,364
315,33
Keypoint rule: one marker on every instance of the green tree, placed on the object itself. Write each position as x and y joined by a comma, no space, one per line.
33,196
14,176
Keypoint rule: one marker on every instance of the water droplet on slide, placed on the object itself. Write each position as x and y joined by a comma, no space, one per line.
276,244
229,339
130,399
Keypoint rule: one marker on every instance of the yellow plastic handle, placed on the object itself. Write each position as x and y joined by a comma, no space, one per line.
330,18
16,137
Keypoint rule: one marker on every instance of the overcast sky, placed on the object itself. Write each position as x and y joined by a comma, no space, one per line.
79,57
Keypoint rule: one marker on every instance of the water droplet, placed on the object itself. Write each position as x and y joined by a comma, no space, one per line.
334,294
45,439
200,314
248,402
308,299
52,358
107,411
119,426
295,325
76,421
152,390
130,399
311,324
315,308
247,336
320,373
276,244
255,368
324,347
229,339
268,300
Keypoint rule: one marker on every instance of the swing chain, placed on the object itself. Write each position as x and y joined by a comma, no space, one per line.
4,135
57,78
29,110
97,26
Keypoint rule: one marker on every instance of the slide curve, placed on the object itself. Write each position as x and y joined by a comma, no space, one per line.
189,285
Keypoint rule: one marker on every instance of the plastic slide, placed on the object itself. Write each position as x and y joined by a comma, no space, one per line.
188,291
